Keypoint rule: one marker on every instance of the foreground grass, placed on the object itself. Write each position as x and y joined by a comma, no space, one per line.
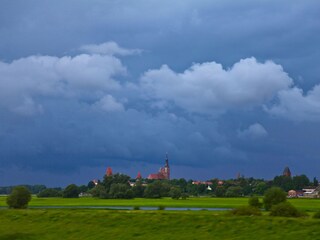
101,224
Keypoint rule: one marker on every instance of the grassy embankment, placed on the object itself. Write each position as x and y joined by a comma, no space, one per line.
108,224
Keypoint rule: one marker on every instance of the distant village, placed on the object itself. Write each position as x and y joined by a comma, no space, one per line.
307,191
160,184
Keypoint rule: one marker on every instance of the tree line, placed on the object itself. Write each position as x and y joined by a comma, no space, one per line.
117,186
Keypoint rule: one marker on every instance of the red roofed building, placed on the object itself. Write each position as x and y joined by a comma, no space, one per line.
202,182
109,171
287,172
139,176
164,172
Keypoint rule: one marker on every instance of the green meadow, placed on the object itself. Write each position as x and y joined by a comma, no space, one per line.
166,202
202,202
110,224
75,223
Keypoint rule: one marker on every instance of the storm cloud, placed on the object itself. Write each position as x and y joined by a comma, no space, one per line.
222,86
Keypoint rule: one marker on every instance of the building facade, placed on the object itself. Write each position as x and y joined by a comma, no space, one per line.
164,172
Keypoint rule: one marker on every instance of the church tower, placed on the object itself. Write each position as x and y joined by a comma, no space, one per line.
166,168
109,171
287,172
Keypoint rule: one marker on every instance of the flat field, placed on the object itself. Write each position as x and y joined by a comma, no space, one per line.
201,202
110,224
166,202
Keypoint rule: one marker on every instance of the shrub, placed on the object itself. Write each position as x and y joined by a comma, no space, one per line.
19,197
246,211
316,215
136,208
274,196
161,207
254,202
71,191
184,196
285,209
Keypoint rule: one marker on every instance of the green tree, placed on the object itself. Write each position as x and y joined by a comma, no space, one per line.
181,183
49,192
71,191
120,190
254,202
234,191
19,197
299,182
157,189
220,191
115,178
273,196
83,188
34,189
138,189
284,182
91,185
99,191
175,193
260,188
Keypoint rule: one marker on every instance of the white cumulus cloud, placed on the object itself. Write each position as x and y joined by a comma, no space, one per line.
254,131
208,88
25,79
109,48
295,105
109,104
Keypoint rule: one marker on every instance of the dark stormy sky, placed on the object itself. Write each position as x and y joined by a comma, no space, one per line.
222,86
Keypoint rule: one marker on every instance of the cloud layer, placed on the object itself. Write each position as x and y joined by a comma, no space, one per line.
83,76
109,48
81,86
296,106
254,131
208,88
101,116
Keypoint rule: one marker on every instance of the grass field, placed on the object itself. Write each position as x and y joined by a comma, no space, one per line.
167,202
107,224
121,224
302,204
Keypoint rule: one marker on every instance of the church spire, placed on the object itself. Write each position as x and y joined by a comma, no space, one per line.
167,160
287,172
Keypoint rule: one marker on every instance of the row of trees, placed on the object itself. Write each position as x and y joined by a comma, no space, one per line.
117,186
34,189
20,195
297,182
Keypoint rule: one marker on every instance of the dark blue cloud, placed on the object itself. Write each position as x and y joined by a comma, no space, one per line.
74,98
